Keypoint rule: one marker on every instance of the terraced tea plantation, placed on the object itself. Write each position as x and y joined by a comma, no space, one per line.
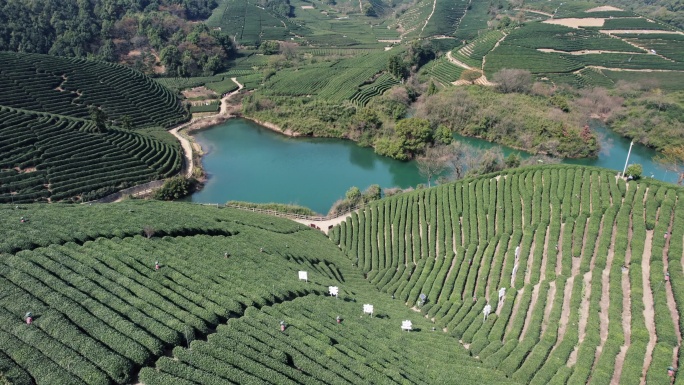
580,47
50,149
160,293
210,313
583,272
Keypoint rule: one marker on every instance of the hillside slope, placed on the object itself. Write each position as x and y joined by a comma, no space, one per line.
51,147
210,314
582,258
590,269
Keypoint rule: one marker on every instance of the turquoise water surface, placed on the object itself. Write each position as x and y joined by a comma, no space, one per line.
248,162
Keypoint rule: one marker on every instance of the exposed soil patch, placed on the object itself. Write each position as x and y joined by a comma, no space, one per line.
604,8
199,93
583,52
576,23
639,31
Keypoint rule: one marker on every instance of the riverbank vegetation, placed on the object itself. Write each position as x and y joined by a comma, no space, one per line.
530,121
279,207
651,117
355,198
175,188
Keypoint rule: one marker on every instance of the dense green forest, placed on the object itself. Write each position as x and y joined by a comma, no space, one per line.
134,32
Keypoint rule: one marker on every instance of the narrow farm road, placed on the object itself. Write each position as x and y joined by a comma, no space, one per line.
185,143
482,80
484,58
533,11
434,5
457,62
187,151
224,100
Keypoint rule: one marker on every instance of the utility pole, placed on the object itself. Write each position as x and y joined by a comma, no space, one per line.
627,160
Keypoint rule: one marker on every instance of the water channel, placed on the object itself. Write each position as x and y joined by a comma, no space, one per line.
248,162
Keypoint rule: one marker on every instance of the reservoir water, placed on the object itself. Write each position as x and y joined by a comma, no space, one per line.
248,162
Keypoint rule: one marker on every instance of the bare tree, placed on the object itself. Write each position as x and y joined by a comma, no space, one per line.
539,159
598,102
513,80
542,89
148,231
434,161
672,159
462,159
288,49
491,160
471,75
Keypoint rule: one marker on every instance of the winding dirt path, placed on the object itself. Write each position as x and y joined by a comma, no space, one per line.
565,311
224,100
649,312
187,151
484,58
185,143
632,69
434,5
586,293
459,63
527,277
534,11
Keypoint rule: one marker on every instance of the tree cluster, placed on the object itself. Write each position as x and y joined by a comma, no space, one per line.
515,119
418,54
279,7
653,118
117,31
175,188
458,160
355,197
